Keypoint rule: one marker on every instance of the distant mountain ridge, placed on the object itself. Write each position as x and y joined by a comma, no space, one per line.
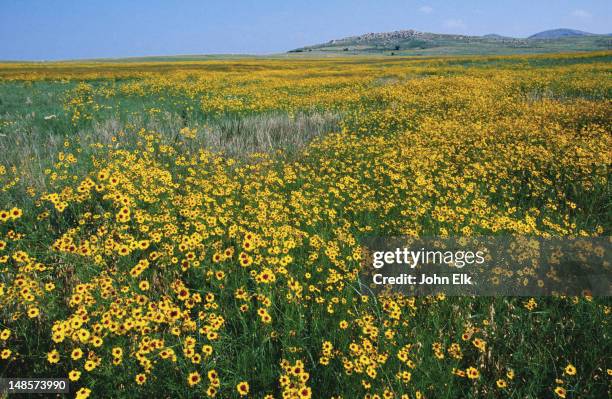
558,33
410,41
410,34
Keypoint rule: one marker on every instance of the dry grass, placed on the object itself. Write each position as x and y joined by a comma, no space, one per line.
238,136
31,152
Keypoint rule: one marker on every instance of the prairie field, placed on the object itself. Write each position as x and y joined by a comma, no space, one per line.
193,228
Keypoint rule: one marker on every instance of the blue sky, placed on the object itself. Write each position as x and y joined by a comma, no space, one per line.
63,29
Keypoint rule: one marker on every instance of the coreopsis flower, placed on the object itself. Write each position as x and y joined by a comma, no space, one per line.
242,388
194,378
83,393
53,356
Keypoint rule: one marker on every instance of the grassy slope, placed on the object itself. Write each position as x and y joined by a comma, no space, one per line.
449,45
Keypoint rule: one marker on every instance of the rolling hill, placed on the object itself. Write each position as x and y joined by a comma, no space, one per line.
559,33
412,42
